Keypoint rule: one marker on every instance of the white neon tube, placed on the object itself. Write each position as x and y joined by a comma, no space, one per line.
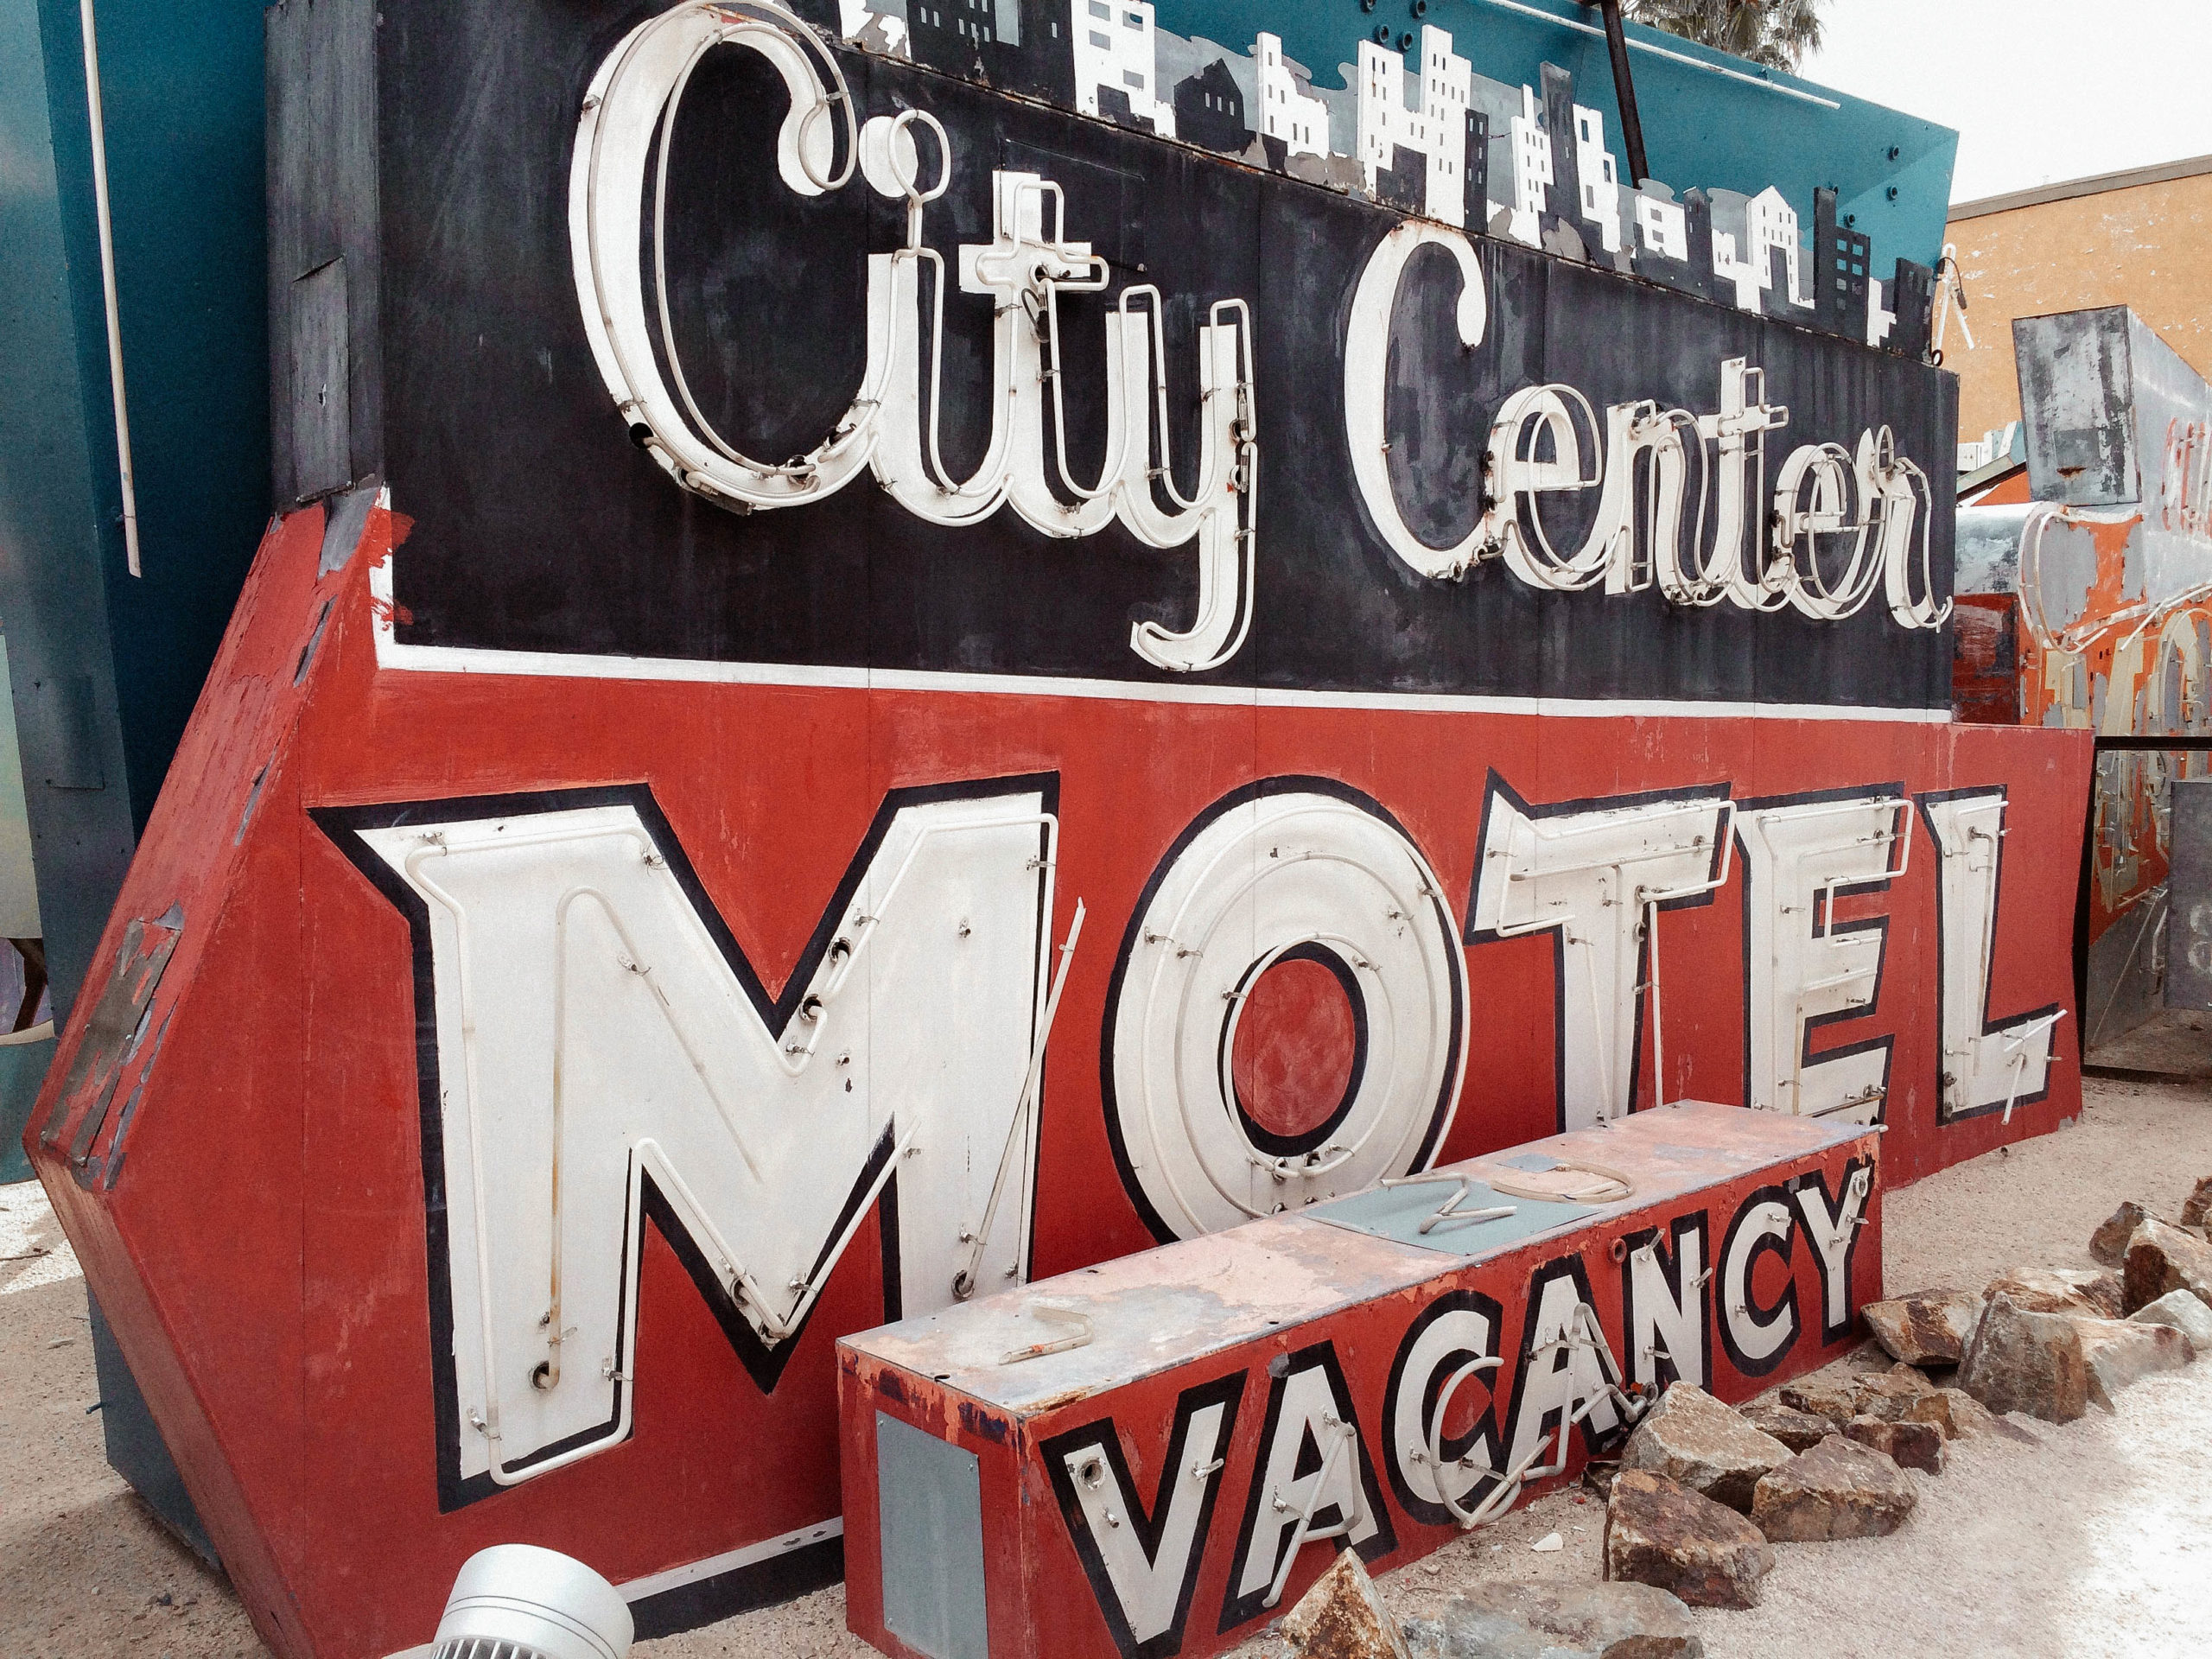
107,285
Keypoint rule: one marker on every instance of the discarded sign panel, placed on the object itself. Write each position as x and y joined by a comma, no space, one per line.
2084,584
1157,1455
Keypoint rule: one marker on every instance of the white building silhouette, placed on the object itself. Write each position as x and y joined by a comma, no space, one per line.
1663,226
1532,171
1423,110
1287,110
1772,223
1113,49
1601,182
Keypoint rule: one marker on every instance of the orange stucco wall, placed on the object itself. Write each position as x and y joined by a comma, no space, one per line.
2148,246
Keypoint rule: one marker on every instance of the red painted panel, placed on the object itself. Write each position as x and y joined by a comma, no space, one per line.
1048,1588
260,1240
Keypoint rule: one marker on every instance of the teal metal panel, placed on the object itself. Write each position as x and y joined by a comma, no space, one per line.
53,596
1702,128
1398,1212
181,88
105,668
22,1069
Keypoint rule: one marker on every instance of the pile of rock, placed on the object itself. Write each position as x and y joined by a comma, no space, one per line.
1704,1492
2050,1343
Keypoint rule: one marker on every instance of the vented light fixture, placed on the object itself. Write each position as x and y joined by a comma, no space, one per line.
516,1601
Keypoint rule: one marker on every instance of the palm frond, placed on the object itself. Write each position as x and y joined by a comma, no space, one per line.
1775,33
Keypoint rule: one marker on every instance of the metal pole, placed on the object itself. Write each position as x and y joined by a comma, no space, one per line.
1623,89
107,282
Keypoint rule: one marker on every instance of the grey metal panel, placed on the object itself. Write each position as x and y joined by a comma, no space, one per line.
322,458
1397,1213
323,206
68,713
2126,970
348,518
1989,549
2077,395
930,1516
2189,950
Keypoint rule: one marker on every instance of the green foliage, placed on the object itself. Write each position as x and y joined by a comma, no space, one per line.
1776,33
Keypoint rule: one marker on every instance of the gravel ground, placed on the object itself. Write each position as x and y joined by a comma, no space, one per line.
2099,1544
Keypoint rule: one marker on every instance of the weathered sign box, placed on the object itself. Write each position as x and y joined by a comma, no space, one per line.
604,939
2100,582
1133,1459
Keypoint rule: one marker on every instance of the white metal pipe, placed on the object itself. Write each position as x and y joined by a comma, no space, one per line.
107,285
963,1282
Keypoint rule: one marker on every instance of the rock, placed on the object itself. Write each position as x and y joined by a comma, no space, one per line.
2196,1208
1661,1533
1884,1394
1960,1416
1897,1386
2061,1290
1342,1617
1907,1443
2120,1351
1471,1633
2026,1362
1838,1490
1800,1431
1697,1442
1930,1328
1835,1403
2185,1313
1867,1395
2109,1243
2162,1259
1618,1620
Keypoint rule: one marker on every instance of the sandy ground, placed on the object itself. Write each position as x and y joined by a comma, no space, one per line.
83,1568
2099,1544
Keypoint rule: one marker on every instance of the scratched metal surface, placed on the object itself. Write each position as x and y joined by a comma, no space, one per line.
1168,1306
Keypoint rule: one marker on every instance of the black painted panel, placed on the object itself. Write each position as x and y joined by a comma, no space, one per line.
539,525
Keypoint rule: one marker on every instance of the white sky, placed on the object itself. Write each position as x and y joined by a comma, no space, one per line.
2039,90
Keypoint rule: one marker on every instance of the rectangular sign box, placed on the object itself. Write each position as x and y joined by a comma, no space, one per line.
1138,1458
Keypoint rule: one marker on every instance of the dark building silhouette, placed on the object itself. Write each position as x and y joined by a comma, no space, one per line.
1209,110
1774,299
1564,194
1404,183
1114,106
1912,298
1476,169
1697,215
1686,276
1842,266
1021,46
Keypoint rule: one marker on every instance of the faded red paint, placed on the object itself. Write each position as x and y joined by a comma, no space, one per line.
260,1249
1038,1598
